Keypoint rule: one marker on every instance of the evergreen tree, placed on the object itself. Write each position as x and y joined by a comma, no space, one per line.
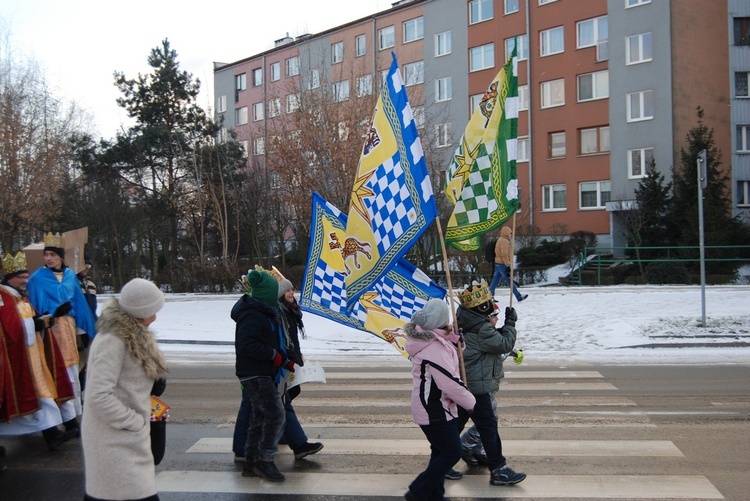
654,198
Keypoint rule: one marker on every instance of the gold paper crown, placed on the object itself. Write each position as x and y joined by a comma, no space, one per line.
13,264
54,240
478,293
274,272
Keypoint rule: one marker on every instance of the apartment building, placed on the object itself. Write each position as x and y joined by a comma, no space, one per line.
606,87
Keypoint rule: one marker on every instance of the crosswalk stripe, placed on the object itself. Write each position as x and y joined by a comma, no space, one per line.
559,386
515,448
474,486
508,375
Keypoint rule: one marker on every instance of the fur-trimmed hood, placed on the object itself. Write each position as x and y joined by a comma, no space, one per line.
139,340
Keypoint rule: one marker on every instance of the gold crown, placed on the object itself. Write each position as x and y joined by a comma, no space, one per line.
13,264
276,273
246,285
478,293
54,240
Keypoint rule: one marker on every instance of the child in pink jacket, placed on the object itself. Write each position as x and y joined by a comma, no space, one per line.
437,393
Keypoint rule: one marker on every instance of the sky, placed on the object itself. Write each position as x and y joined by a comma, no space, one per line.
556,324
81,43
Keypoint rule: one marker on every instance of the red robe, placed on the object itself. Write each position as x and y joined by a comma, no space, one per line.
19,395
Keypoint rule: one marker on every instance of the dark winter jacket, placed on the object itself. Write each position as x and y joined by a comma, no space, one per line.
485,347
293,322
256,338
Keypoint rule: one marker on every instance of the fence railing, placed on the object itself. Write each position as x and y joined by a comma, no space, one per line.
604,257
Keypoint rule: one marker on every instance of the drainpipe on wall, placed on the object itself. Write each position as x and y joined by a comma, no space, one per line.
528,82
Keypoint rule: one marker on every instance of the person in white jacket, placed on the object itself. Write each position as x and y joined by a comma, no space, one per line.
125,368
437,393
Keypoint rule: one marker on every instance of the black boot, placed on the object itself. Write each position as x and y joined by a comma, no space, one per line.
72,425
55,437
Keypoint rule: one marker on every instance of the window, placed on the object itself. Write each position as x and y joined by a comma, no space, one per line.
553,197
593,86
743,139
337,52
240,82
257,77
482,57
742,31
638,49
259,146
418,114
360,45
275,71
640,106
292,103
591,31
639,161
594,195
292,66
442,43
243,145
740,84
340,91
593,140
556,146
545,2
240,115
258,112
443,135
522,154
523,47
474,102
413,30
511,6
743,193
552,41
553,93
443,89
414,73
274,107
364,85
313,79
480,10
386,38
635,3
221,104
523,97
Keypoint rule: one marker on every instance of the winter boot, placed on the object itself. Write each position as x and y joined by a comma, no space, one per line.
267,470
55,437
505,476
306,449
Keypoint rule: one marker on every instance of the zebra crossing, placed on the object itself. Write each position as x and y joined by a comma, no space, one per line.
364,418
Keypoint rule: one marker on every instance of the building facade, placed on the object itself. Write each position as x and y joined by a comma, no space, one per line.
608,88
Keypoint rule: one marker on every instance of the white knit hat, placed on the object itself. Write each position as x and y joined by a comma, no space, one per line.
284,285
434,315
141,298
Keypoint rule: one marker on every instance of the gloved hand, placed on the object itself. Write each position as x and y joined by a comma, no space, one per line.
517,356
159,386
461,339
63,309
510,316
279,361
42,322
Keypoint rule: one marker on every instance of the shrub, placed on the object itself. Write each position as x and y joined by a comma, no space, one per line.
667,273
545,254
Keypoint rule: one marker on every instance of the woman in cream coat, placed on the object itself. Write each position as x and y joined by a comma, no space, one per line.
124,363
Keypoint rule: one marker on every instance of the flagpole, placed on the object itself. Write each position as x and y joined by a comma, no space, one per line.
452,297
512,260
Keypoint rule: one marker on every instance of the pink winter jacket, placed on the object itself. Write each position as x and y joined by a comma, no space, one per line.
437,387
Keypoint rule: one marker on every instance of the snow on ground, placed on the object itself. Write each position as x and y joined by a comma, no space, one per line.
557,324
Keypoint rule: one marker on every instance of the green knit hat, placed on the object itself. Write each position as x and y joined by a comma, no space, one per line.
263,287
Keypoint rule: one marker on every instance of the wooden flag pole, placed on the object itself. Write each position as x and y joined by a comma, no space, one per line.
512,253
452,298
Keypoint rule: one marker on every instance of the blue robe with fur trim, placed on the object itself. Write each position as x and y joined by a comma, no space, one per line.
46,293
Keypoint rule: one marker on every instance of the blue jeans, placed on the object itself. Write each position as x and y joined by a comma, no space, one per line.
293,434
266,419
502,275
445,447
486,421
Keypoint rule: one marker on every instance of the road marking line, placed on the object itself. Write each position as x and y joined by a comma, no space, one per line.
473,486
405,447
508,374
560,386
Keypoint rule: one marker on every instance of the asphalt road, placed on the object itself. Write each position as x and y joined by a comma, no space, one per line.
579,432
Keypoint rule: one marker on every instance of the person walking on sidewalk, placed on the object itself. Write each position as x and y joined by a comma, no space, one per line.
260,346
437,393
501,267
483,358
